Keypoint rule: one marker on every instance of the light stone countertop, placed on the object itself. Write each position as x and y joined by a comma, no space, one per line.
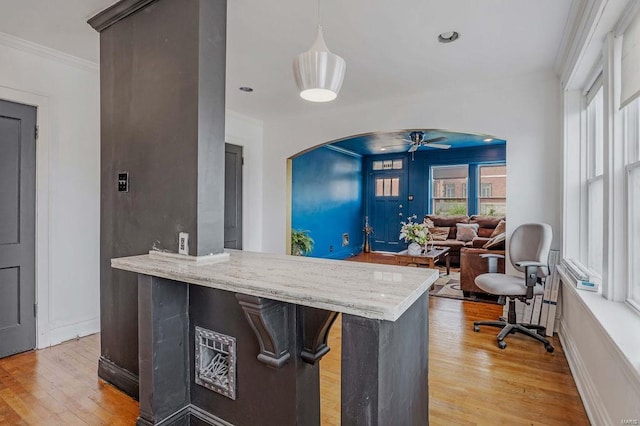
367,290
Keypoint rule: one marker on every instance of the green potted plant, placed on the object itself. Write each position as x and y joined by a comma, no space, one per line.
301,243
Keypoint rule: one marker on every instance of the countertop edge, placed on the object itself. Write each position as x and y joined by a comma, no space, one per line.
375,312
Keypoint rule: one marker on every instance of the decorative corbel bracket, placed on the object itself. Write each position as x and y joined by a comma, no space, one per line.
269,320
316,324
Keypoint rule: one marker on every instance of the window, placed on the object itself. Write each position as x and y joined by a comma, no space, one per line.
485,189
631,117
493,190
450,190
595,196
448,196
387,187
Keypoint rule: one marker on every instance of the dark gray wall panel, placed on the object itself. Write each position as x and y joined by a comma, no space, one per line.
9,180
9,302
162,120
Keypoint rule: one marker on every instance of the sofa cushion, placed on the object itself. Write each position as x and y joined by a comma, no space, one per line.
501,228
466,231
450,221
496,242
439,233
486,224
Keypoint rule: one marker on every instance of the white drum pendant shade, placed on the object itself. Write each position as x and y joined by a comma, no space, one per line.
318,72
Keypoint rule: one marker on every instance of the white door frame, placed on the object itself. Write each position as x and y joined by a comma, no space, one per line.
43,213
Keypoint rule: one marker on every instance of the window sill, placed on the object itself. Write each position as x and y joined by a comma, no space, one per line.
619,321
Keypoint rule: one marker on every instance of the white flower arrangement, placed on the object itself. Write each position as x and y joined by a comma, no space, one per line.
415,232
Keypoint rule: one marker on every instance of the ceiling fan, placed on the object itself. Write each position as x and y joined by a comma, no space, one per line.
417,140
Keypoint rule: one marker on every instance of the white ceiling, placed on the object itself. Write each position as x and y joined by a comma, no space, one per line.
390,46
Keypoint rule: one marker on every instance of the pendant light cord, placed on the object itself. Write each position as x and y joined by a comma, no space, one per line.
319,22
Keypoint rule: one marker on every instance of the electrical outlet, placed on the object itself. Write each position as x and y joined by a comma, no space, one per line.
345,239
183,243
330,249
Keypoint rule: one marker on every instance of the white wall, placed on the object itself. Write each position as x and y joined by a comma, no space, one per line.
67,89
247,132
524,111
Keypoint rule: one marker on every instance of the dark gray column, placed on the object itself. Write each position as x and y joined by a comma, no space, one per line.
384,369
164,349
162,90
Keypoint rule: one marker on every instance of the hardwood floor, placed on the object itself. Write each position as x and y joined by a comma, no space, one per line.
471,381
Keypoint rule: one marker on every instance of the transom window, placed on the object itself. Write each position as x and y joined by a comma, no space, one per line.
387,164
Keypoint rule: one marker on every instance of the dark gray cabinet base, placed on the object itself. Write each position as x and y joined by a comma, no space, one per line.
384,364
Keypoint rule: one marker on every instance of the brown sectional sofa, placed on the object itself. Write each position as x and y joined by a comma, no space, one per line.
487,225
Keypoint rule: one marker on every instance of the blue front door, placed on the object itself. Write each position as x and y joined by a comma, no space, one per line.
387,205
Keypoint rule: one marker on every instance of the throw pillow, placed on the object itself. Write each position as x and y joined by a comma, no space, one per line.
501,228
495,242
466,231
439,233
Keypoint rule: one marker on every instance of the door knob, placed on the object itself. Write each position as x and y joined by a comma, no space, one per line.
400,206
400,214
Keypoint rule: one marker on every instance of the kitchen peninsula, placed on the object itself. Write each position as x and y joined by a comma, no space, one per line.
238,341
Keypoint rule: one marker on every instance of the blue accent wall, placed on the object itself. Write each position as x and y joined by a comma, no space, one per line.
327,200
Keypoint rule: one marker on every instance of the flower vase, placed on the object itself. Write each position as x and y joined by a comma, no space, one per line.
414,249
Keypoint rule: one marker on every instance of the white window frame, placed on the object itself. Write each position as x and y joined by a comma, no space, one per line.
589,150
631,132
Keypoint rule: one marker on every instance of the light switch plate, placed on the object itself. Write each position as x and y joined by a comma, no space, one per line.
123,181
183,243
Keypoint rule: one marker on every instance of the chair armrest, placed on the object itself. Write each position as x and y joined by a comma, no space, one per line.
531,274
492,255
492,258
528,263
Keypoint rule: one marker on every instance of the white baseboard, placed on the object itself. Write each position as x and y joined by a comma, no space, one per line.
596,411
73,331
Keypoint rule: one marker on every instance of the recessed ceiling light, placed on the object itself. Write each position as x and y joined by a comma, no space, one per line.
246,89
448,37
488,139
383,149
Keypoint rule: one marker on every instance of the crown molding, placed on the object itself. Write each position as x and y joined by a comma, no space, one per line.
583,16
629,14
17,43
116,12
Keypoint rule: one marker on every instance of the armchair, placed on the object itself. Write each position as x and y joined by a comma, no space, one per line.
528,252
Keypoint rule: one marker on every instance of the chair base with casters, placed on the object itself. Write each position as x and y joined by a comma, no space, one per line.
510,326
513,288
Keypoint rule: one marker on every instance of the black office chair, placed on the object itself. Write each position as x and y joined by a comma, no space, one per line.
528,252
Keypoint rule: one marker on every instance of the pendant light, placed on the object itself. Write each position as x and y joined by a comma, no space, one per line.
318,72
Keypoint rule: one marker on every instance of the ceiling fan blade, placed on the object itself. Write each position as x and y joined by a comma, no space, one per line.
394,146
438,145
438,139
413,148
